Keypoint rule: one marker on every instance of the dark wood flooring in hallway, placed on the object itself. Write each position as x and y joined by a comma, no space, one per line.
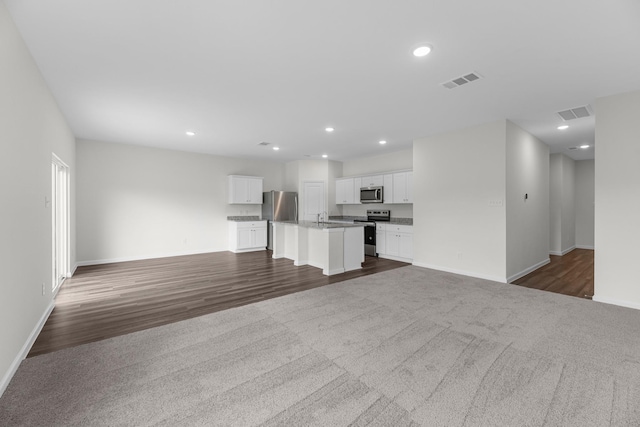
108,300
571,274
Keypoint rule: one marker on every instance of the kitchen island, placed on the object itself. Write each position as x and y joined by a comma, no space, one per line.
333,247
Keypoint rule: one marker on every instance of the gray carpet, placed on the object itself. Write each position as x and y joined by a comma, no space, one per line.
402,348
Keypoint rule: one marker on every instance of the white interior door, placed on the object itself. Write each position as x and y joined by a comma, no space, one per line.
313,200
59,221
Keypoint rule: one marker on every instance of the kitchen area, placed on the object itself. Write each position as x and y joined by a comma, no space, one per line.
357,223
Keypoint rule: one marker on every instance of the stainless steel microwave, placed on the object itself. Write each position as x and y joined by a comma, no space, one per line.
371,195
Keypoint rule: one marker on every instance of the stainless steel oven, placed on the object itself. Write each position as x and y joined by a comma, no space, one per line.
370,229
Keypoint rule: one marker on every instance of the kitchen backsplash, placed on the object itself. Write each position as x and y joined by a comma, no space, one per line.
399,221
397,211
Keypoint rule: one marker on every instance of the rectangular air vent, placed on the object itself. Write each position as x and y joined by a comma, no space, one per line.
264,143
584,146
462,80
575,113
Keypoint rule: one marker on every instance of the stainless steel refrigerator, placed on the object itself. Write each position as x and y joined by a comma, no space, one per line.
278,206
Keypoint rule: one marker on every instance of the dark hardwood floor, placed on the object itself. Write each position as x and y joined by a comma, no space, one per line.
104,301
571,274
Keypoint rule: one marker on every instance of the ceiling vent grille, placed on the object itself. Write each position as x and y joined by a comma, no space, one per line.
575,113
263,143
462,80
581,147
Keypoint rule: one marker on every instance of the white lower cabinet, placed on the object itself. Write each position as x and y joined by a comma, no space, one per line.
395,241
247,236
381,245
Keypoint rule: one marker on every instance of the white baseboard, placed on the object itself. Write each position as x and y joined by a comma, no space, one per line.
528,270
55,293
462,272
241,251
585,247
332,272
564,252
24,351
619,302
138,258
396,258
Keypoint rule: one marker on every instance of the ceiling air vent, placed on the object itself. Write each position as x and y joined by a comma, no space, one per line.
462,80
263,143
575,113
581,147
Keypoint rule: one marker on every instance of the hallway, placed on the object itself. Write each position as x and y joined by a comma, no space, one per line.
571,274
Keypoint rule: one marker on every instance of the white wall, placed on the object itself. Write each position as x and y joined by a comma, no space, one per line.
335,170
585,203
555,204
527,163
300,171
456,175
562,214
399,160
31,128
291,177
139,202
617,199
568,204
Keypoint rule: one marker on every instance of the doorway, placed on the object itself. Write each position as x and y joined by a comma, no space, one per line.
313,200
60,222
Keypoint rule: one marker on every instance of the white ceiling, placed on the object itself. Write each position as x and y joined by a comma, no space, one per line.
242,72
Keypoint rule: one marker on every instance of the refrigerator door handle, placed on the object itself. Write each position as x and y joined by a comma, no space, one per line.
296,207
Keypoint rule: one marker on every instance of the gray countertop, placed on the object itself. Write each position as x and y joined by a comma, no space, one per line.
397,221
244,218
329,224
321,226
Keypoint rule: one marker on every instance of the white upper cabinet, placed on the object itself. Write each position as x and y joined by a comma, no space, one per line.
357,185
403,187
388,188
373,181
345,192
245,189
397,187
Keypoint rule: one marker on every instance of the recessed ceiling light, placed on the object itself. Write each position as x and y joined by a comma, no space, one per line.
276,148
324,156
585,146
563,127
422,51
190,133
383,142
329,129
